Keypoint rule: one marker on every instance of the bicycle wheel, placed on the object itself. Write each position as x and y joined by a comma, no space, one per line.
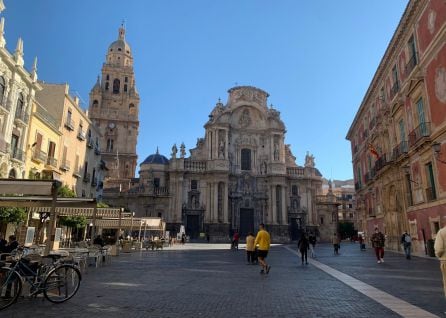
62,283
10,287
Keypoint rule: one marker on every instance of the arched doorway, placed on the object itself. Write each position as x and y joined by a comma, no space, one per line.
12,174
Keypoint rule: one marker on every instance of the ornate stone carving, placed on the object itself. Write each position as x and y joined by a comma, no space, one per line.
309,160
245,119
182,150
174,151
246,140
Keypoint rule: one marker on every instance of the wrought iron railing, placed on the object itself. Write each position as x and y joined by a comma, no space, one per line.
69,124
51,161
411,65
400,149
423,130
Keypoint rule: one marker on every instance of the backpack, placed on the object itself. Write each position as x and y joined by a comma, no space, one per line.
407,238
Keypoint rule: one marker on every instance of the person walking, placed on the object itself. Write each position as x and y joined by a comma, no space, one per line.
406,240
235,239
336,243
378,241
440,252
250,248
263,240
361,243
303,245
312,240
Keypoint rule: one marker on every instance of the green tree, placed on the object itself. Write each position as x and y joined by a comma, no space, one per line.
65,192
75,223
12,215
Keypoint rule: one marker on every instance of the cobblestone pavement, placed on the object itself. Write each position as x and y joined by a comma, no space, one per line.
417,281
206,280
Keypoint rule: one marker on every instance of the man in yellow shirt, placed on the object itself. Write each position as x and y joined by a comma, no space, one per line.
263,241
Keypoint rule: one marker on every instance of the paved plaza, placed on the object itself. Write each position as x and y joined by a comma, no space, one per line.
209,280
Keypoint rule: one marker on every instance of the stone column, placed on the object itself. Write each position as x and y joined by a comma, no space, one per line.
215,203
284,210
225,203
273,217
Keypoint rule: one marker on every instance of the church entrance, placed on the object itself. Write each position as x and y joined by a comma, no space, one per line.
246,222
295,228
193,226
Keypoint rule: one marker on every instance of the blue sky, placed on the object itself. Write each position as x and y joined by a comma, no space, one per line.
315,58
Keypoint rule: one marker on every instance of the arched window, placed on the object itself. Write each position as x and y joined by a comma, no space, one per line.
132,109
246,159
95,103
20,104
116,84
2,88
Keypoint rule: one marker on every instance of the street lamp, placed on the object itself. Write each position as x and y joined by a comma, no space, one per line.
436,147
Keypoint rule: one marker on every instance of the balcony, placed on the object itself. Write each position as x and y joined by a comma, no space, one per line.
90,143
368,176
86,177
17,154
411,65
39,156
192,165
357,186
430,194
422,131
51,161
81,135
21,118
372,123
381,162
69,124
395,89
295,172
399,150
97,152
372,212
65,165
365,134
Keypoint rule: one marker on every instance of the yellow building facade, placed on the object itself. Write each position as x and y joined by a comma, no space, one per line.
42,150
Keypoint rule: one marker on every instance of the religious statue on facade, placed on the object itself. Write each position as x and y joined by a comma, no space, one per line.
276,151
174,151
309,160
182,150
221,150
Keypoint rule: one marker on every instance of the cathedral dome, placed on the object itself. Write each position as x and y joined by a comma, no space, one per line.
156,159
120,45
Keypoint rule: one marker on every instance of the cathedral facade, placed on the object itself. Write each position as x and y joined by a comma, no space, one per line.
240,174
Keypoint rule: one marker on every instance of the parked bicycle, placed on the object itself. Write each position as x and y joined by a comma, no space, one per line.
58,281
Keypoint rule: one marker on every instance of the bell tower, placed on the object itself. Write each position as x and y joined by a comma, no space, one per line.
114,109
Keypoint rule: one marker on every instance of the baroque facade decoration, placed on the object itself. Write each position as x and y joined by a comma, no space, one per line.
398,135
114,110
239,175
17,90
